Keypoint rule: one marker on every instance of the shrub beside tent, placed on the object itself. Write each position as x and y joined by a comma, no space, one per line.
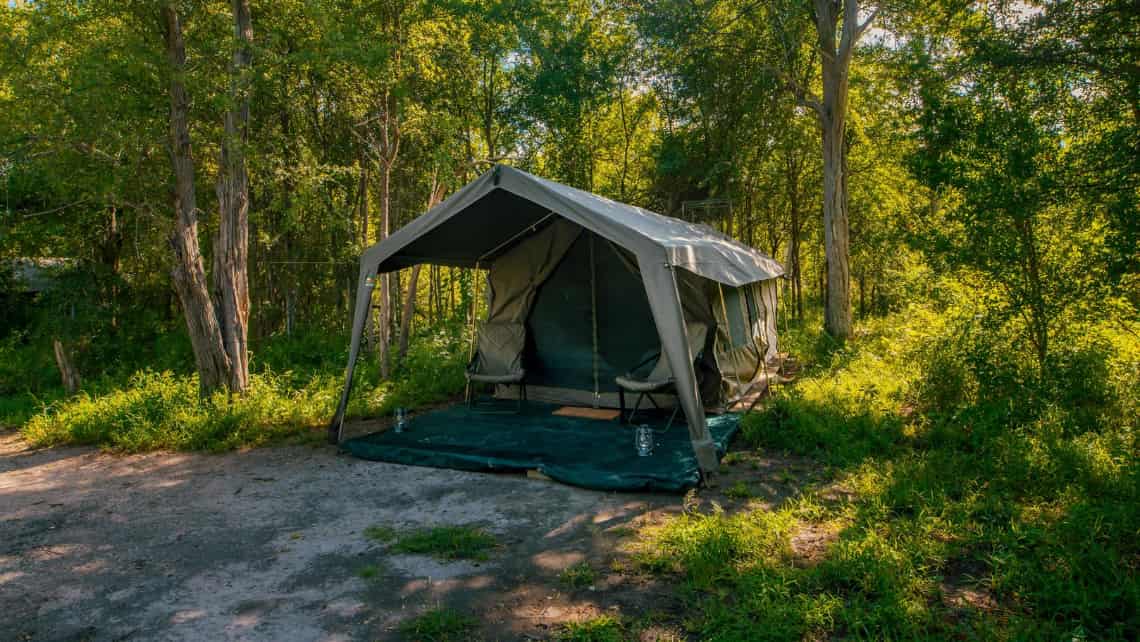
601,290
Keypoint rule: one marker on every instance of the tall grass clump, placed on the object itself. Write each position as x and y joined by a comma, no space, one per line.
161,410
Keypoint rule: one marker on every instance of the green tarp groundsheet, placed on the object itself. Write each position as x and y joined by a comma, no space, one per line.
583,452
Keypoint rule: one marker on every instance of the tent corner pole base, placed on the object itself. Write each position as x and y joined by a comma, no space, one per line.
709,479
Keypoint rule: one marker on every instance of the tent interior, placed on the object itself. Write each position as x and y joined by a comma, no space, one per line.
588,319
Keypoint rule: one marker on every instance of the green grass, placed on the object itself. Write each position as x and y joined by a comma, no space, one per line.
369,572
446,542
578,576
162,410
380,533
440,625
950,467
739,490
604,628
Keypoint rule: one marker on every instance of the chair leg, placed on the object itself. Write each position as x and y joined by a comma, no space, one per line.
621,405
652,400
673,416
637,405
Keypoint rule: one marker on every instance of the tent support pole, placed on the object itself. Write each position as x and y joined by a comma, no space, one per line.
365,286
468,391
594,317
669,317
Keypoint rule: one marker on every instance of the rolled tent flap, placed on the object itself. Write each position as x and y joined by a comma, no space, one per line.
363,305
516,275
665,303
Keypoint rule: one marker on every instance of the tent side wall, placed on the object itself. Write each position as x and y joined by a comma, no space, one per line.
745,338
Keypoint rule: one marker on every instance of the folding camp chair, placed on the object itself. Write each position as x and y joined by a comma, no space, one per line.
660,379
498,359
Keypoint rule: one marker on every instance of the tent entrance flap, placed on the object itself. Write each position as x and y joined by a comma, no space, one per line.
590,321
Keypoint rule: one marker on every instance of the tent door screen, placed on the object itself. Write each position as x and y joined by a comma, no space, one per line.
590,321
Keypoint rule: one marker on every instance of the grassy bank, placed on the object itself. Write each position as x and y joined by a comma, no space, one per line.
152,410
964,496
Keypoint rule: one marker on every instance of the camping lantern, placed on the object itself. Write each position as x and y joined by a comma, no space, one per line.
401,419
643,437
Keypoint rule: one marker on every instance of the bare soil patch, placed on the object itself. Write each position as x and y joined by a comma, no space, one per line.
269,544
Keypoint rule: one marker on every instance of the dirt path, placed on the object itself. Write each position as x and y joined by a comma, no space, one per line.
268,545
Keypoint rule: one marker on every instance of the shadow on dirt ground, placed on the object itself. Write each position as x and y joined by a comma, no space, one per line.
269,544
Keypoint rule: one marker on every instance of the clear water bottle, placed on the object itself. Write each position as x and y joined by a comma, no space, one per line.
643,437
401,419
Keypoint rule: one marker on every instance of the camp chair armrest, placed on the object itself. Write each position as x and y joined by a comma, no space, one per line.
509,377
643,385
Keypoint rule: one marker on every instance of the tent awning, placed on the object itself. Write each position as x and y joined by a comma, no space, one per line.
506,201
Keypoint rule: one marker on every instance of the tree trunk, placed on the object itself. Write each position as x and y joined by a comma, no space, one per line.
231,253
862,295
794,167
67,371
408,312
363,196
434,198
385,321
189,273
837,310
836,64
110,253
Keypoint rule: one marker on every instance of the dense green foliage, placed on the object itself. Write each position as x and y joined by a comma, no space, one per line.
953,470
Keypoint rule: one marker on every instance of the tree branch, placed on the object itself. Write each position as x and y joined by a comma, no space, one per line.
866,23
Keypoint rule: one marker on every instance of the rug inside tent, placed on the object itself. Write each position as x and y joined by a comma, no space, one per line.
590,453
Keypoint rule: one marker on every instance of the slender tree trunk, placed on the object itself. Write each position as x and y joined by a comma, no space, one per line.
409,311
832,110
837,312
110,253
67,371
794,167
363,196
862,294
1038,309
189,273
385,321
231,252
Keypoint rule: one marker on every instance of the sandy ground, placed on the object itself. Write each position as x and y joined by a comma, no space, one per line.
268,544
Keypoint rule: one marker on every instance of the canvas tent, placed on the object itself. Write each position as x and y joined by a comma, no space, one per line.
600,285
